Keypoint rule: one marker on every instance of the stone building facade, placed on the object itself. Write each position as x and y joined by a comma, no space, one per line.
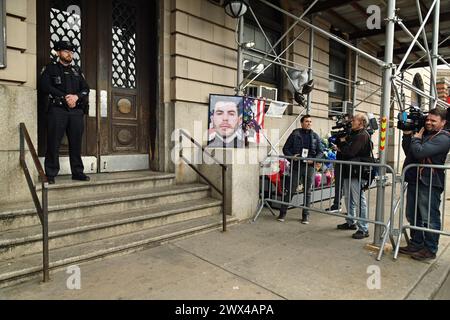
194,55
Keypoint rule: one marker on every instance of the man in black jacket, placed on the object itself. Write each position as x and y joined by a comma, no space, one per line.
68,93
303,143
429,146
355,147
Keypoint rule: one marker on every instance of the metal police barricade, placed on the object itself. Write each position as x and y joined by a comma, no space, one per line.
425,214
278,173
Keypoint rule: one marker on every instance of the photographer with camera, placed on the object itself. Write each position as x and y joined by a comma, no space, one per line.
428,146
344,124
355,147
305,143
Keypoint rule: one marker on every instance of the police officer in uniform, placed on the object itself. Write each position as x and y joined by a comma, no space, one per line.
68,93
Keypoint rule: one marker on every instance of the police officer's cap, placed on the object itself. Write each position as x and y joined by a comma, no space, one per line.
64,45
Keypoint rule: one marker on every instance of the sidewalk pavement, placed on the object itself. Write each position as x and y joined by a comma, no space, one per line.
263,260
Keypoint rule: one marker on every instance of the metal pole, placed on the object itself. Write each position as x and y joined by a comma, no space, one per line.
434,55
411,46
281,39
240,75
355,86
311,62
224,199
422,93
46,263
325,33
385,113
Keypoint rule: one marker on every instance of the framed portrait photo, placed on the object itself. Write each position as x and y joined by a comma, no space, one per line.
225,116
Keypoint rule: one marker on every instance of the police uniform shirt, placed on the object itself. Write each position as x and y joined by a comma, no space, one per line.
58,81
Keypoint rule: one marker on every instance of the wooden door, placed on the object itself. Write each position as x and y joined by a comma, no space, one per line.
124,85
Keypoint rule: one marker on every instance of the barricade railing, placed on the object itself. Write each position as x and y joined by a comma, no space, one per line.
41,206
184,135
281,174
424,209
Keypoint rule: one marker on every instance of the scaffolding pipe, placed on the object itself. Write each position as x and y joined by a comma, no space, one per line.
278,42
270,45
385,114
355,79
423,94
240,74
325,33
411,46
271,62
426,50
443,61
433,70
435,53
310,65
294,65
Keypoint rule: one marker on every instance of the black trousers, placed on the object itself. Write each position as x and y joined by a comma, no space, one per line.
60,121
338,184
299,176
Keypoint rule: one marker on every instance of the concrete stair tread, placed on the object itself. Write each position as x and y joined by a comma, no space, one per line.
32,264
84,201
64,182
65,227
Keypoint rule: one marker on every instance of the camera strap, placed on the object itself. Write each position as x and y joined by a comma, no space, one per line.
428,160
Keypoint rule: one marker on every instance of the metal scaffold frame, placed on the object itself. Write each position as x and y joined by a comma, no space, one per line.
392,75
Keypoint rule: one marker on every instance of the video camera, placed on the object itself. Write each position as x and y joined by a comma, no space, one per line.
342,128
412,121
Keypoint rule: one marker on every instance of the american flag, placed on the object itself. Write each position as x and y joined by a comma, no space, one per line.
254,118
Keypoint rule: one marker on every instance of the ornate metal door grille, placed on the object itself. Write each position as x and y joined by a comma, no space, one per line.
65,24
124,18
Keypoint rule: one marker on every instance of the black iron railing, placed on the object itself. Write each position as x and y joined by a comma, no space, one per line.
41,206
224,167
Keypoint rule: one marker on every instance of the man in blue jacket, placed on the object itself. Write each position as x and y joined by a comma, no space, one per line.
305,143
429,146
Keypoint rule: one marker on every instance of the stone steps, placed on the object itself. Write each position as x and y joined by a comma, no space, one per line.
24,241
87,206
109,215
108,183
30,266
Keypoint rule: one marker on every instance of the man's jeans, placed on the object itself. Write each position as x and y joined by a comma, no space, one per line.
420,239
290,186
355,201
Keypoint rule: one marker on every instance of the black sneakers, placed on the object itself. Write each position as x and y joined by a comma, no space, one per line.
346,226
305,220
51,180
281,217
334,209
360,235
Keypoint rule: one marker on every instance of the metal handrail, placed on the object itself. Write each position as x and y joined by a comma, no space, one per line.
224,167
41,207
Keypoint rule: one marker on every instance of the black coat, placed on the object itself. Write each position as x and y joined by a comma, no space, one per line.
357,147
57,81
296,143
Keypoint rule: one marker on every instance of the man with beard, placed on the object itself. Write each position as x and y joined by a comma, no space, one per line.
425,186
226,119
68,94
